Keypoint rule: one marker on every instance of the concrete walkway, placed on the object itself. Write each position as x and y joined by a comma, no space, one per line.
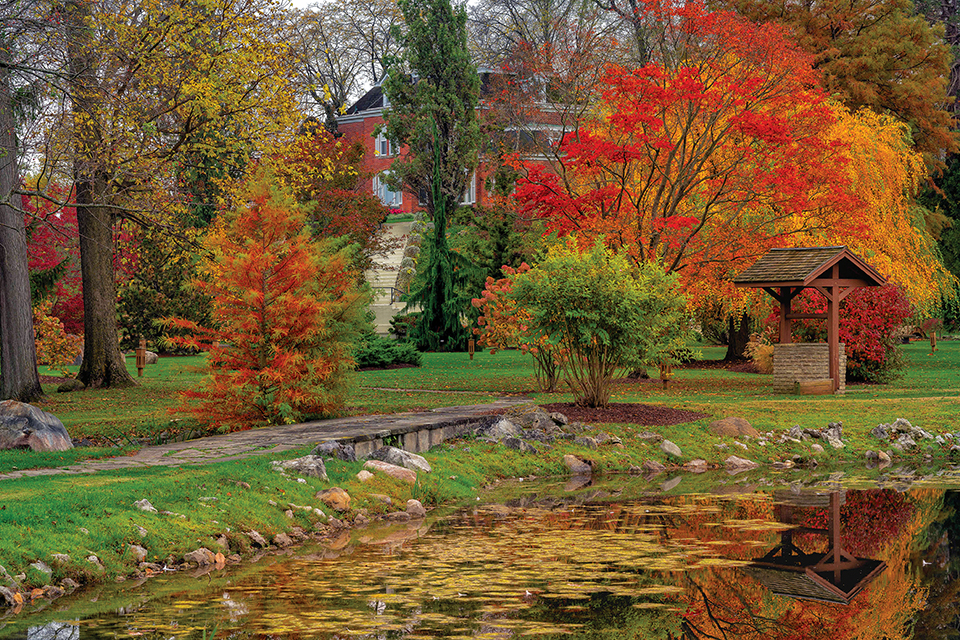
383,279
416,430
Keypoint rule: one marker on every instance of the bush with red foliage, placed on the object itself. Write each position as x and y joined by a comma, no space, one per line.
870,321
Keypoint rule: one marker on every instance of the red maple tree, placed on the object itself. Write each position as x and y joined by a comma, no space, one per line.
704,158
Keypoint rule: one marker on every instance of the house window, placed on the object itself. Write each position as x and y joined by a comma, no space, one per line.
423,198
382,147
382,190
470,190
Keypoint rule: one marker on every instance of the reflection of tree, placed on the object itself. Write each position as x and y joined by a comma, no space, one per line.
869,519
939,570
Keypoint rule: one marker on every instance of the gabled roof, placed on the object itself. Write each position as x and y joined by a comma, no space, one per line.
800,267
372,99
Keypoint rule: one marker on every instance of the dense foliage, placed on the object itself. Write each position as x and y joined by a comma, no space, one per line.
55,347
376,352
504,323
871,323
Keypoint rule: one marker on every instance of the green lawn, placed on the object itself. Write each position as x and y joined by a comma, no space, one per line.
926,395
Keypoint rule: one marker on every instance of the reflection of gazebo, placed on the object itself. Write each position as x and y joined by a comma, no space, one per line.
834,576
784,273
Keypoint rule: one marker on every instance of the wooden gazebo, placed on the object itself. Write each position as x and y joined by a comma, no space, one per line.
833,271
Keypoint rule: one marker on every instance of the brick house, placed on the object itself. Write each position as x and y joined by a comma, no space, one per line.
362,119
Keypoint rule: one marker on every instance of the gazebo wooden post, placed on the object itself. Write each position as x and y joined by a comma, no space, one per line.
786,324
833,325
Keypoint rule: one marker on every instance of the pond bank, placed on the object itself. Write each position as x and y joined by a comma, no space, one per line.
84,530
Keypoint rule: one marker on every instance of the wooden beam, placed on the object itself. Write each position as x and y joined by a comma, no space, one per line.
806,316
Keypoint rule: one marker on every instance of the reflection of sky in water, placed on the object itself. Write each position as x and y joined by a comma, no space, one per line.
54,631
660,568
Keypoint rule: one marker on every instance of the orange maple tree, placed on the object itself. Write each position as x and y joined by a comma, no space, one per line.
286,312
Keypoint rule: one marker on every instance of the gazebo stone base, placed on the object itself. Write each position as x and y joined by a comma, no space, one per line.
804,362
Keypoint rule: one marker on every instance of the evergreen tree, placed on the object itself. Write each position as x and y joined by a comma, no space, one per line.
434,90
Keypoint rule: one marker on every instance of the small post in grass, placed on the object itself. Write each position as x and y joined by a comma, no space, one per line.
471,345
141,356
933,341
666,372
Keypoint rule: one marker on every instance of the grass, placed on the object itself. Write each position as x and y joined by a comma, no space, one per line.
95,514
926,395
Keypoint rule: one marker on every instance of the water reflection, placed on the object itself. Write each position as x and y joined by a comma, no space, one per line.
832,576
788,564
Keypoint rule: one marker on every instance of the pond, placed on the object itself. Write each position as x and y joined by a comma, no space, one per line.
554,561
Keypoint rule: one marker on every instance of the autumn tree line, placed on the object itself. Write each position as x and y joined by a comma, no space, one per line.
148,145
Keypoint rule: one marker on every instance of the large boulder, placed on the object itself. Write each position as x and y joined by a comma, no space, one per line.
499,430
530,417
733,463
335,498
401,458
392,470
24,426
732,426
344,452
310,466
577,466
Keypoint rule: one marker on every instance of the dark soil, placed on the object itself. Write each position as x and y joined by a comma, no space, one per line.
649,415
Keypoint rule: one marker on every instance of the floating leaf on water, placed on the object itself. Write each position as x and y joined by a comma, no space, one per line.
660,589
546,629
719,562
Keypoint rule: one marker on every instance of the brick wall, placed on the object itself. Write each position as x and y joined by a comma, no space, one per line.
803,363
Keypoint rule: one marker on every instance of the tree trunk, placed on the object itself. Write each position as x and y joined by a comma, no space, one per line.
103,365
738,336
18,354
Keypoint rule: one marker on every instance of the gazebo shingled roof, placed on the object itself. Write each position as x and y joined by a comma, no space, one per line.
801,266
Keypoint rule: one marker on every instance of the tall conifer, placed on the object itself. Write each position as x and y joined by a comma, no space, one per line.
433,91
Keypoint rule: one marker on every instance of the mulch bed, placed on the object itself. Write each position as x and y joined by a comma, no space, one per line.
648,415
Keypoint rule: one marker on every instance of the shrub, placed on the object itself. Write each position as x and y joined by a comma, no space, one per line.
870,318
55,347
503,324
760,351
401,326
375,352
603,313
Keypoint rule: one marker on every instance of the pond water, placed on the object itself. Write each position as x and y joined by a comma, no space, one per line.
587,562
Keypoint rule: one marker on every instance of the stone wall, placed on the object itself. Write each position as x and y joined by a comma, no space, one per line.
804,362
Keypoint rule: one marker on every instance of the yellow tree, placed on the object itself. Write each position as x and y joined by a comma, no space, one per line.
151,83
886,172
